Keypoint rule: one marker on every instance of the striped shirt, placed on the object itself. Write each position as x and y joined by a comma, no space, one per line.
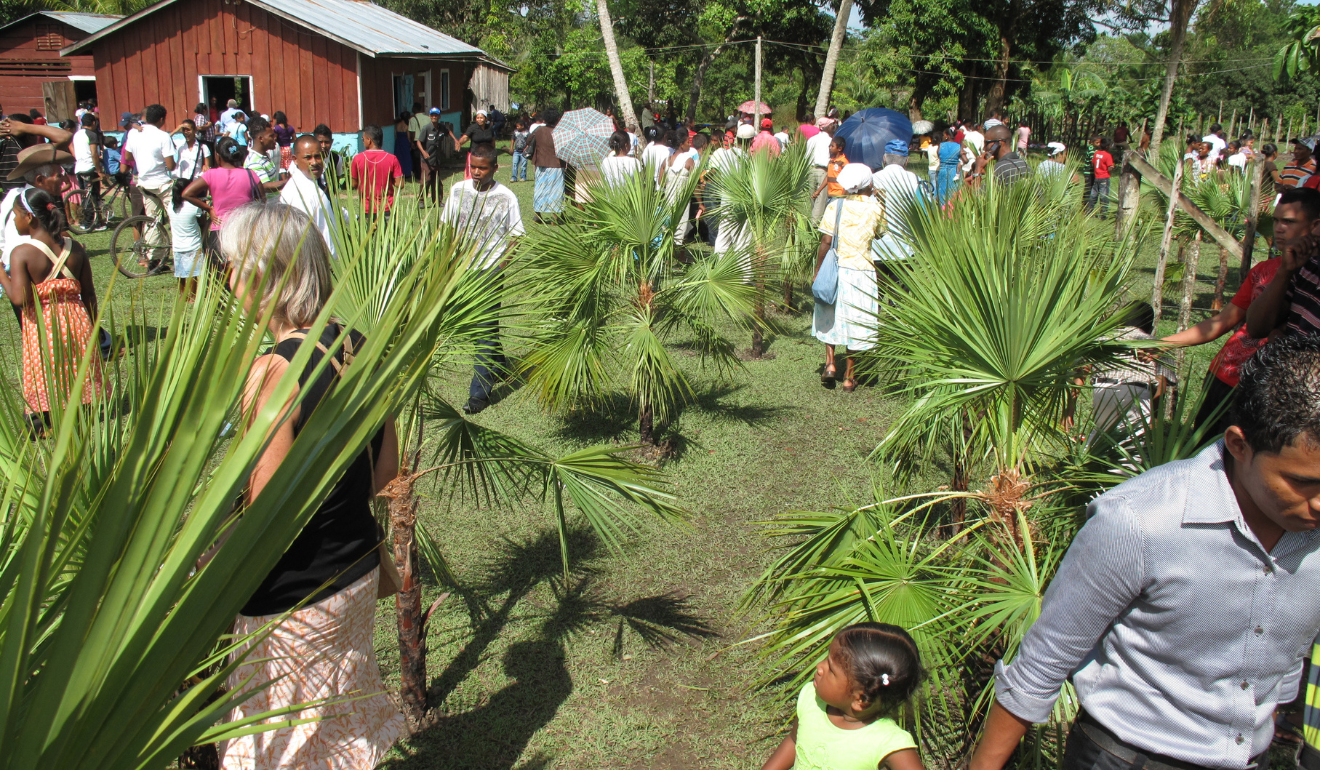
1293,174
1304,299
1180,631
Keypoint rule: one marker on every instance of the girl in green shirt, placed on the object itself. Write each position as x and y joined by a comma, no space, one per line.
843,717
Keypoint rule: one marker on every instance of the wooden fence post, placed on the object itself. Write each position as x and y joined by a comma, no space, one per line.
1166,241
1221,278
1253,214
1191,256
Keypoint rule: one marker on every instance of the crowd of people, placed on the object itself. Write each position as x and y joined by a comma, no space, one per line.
1168,673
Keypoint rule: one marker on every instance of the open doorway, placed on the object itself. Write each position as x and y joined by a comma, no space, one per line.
222,88
84,88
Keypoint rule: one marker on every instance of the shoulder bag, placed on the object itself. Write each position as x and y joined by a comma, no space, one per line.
826,286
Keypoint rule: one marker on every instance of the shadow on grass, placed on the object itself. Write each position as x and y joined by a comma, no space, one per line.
494,731
711,401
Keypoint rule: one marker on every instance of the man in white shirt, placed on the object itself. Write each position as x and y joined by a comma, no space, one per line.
1216,141
227,116
151,151
304,191
87,168
485,215
897,188
973,146
818,149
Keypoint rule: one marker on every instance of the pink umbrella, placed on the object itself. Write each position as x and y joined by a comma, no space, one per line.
808,130
749,107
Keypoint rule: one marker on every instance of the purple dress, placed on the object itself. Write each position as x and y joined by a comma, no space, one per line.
403,151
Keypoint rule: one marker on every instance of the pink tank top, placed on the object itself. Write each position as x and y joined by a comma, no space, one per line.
230,188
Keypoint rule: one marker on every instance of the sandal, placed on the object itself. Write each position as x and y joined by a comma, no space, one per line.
830,374
849,386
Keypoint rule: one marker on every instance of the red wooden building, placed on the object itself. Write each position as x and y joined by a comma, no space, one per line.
33,75
345,63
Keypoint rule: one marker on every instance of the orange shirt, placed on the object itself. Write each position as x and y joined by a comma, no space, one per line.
832,169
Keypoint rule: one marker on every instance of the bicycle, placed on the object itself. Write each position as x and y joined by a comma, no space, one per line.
114,206
133,258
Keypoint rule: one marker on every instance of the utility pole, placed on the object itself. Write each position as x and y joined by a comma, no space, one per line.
756,96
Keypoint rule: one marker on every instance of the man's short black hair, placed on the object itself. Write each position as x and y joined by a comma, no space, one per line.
374,133
1140,315
153,114
322,130
1216,128
88,119
257,125
1278,395
483,150
1305,197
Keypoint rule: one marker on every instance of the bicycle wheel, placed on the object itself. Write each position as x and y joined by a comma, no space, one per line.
117,208
130,250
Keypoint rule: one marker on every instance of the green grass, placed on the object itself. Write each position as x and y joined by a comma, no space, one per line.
637,665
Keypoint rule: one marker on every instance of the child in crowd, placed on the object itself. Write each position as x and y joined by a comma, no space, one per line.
111,156
186,228
485,214
830,185
845,716
238,129
519,146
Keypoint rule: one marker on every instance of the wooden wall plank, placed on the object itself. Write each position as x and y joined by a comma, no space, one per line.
305,74
139,69
188,68
319,85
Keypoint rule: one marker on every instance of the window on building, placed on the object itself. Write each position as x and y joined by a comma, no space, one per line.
444,89
49,37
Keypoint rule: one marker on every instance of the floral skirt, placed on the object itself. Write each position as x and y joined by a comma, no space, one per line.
321,651
851,320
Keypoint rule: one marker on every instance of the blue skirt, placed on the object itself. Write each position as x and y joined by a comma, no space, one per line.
548,195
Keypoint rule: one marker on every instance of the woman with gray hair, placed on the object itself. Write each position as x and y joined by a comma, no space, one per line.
848,225
277,264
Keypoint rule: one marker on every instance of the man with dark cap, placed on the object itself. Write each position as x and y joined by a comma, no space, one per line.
1009,166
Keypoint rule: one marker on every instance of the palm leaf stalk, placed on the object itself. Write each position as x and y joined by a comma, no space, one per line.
98,633
768,198
610,295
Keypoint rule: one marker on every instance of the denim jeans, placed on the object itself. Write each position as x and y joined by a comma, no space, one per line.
489,362
519,168
1099,193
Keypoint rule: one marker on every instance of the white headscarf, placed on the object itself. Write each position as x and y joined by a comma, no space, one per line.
854,177
303,193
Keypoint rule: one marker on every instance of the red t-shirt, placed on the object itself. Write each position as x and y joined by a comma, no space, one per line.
1241,345
1102,163
375,172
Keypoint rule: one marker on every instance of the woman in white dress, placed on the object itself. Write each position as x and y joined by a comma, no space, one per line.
850,224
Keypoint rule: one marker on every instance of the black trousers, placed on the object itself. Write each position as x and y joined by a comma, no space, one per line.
91,205
1084,753
490,361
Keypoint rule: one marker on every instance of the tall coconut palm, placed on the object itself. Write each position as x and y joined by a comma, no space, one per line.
832,56
610,296
616,64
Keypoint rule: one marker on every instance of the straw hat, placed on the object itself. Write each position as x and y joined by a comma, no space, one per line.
37,156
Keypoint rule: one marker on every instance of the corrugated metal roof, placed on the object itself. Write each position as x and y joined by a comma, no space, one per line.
87,22
369,28
358,24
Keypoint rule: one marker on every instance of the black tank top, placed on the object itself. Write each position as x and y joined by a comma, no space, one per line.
339,543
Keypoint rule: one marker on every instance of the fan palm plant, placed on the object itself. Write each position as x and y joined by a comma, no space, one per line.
768,199
609,295
1007,294
469,458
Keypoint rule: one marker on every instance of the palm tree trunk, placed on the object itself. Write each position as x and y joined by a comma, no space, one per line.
646,425
831,57
758,337
408,602
1180,15
616,65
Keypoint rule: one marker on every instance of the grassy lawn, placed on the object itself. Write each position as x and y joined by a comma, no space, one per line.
639,664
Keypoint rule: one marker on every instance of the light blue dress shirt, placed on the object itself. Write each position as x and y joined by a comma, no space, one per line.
1180,631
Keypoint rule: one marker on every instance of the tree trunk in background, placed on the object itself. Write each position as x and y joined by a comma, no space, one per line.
832,57
1179,17
694,96
995,99
967,99
616,65
1218,303
646,426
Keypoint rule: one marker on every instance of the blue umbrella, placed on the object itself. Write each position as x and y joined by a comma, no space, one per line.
868,131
